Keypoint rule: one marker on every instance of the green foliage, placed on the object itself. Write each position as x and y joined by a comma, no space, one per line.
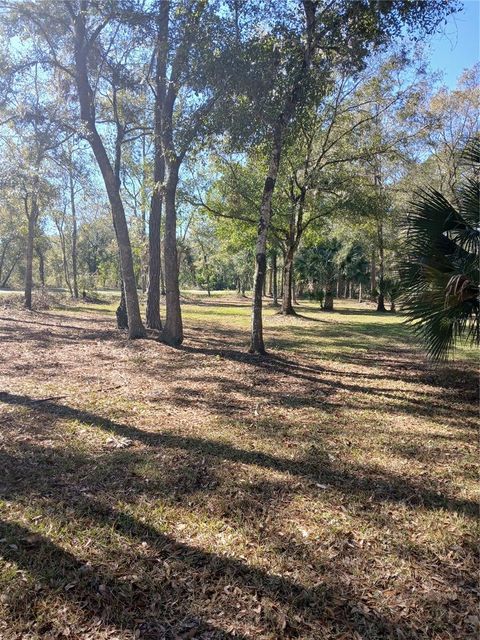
440,271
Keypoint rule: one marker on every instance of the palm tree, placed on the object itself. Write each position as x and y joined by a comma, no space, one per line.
440,270
318,264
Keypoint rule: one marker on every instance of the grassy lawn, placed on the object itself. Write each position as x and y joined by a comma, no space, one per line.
328,490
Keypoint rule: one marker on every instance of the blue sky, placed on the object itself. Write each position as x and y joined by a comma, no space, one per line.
457,47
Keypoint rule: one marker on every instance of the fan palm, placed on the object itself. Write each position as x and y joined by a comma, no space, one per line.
440,271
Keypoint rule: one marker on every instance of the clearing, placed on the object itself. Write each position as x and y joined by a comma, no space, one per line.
325,491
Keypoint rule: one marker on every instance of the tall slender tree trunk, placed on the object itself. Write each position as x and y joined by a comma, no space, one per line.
74,235
154,257
287,307
381,280
294,288
172,332
373,273
32,221
154,228
257,344
274,279
63,246
87,115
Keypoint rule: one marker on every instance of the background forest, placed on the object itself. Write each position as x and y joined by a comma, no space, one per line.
171,118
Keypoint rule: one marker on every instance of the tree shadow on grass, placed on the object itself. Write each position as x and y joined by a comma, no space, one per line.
156,603
315,375
362,480
98,593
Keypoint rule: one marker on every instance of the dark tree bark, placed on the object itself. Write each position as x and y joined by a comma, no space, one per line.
5,280
121,312
287,306
274,279
328,302
373,273
154,227
87,113
172,332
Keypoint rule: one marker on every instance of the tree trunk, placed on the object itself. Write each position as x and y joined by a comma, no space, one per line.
287,307
294,288
162,272
328,302
154,228
172,332
9,273
65,260
381,284
121,312
256,341
373,273
87,115
32,220
154,257
360,292
274,279
74,236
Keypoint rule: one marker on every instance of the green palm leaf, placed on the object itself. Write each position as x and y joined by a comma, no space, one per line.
440,270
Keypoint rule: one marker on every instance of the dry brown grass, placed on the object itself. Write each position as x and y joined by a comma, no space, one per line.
325,491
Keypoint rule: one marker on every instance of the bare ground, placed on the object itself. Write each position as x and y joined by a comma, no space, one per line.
325,491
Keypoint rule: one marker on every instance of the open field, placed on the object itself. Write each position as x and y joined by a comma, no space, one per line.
325,491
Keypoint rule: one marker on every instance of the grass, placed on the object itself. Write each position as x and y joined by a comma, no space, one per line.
328,490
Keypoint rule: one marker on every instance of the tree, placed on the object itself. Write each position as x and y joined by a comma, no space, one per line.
440,272
312,44
318,265
31,137
75,41
189,80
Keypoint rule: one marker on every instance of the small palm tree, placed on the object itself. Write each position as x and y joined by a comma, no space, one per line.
440,270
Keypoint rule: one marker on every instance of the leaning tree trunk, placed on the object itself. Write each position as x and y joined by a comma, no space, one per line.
172,332
87,115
